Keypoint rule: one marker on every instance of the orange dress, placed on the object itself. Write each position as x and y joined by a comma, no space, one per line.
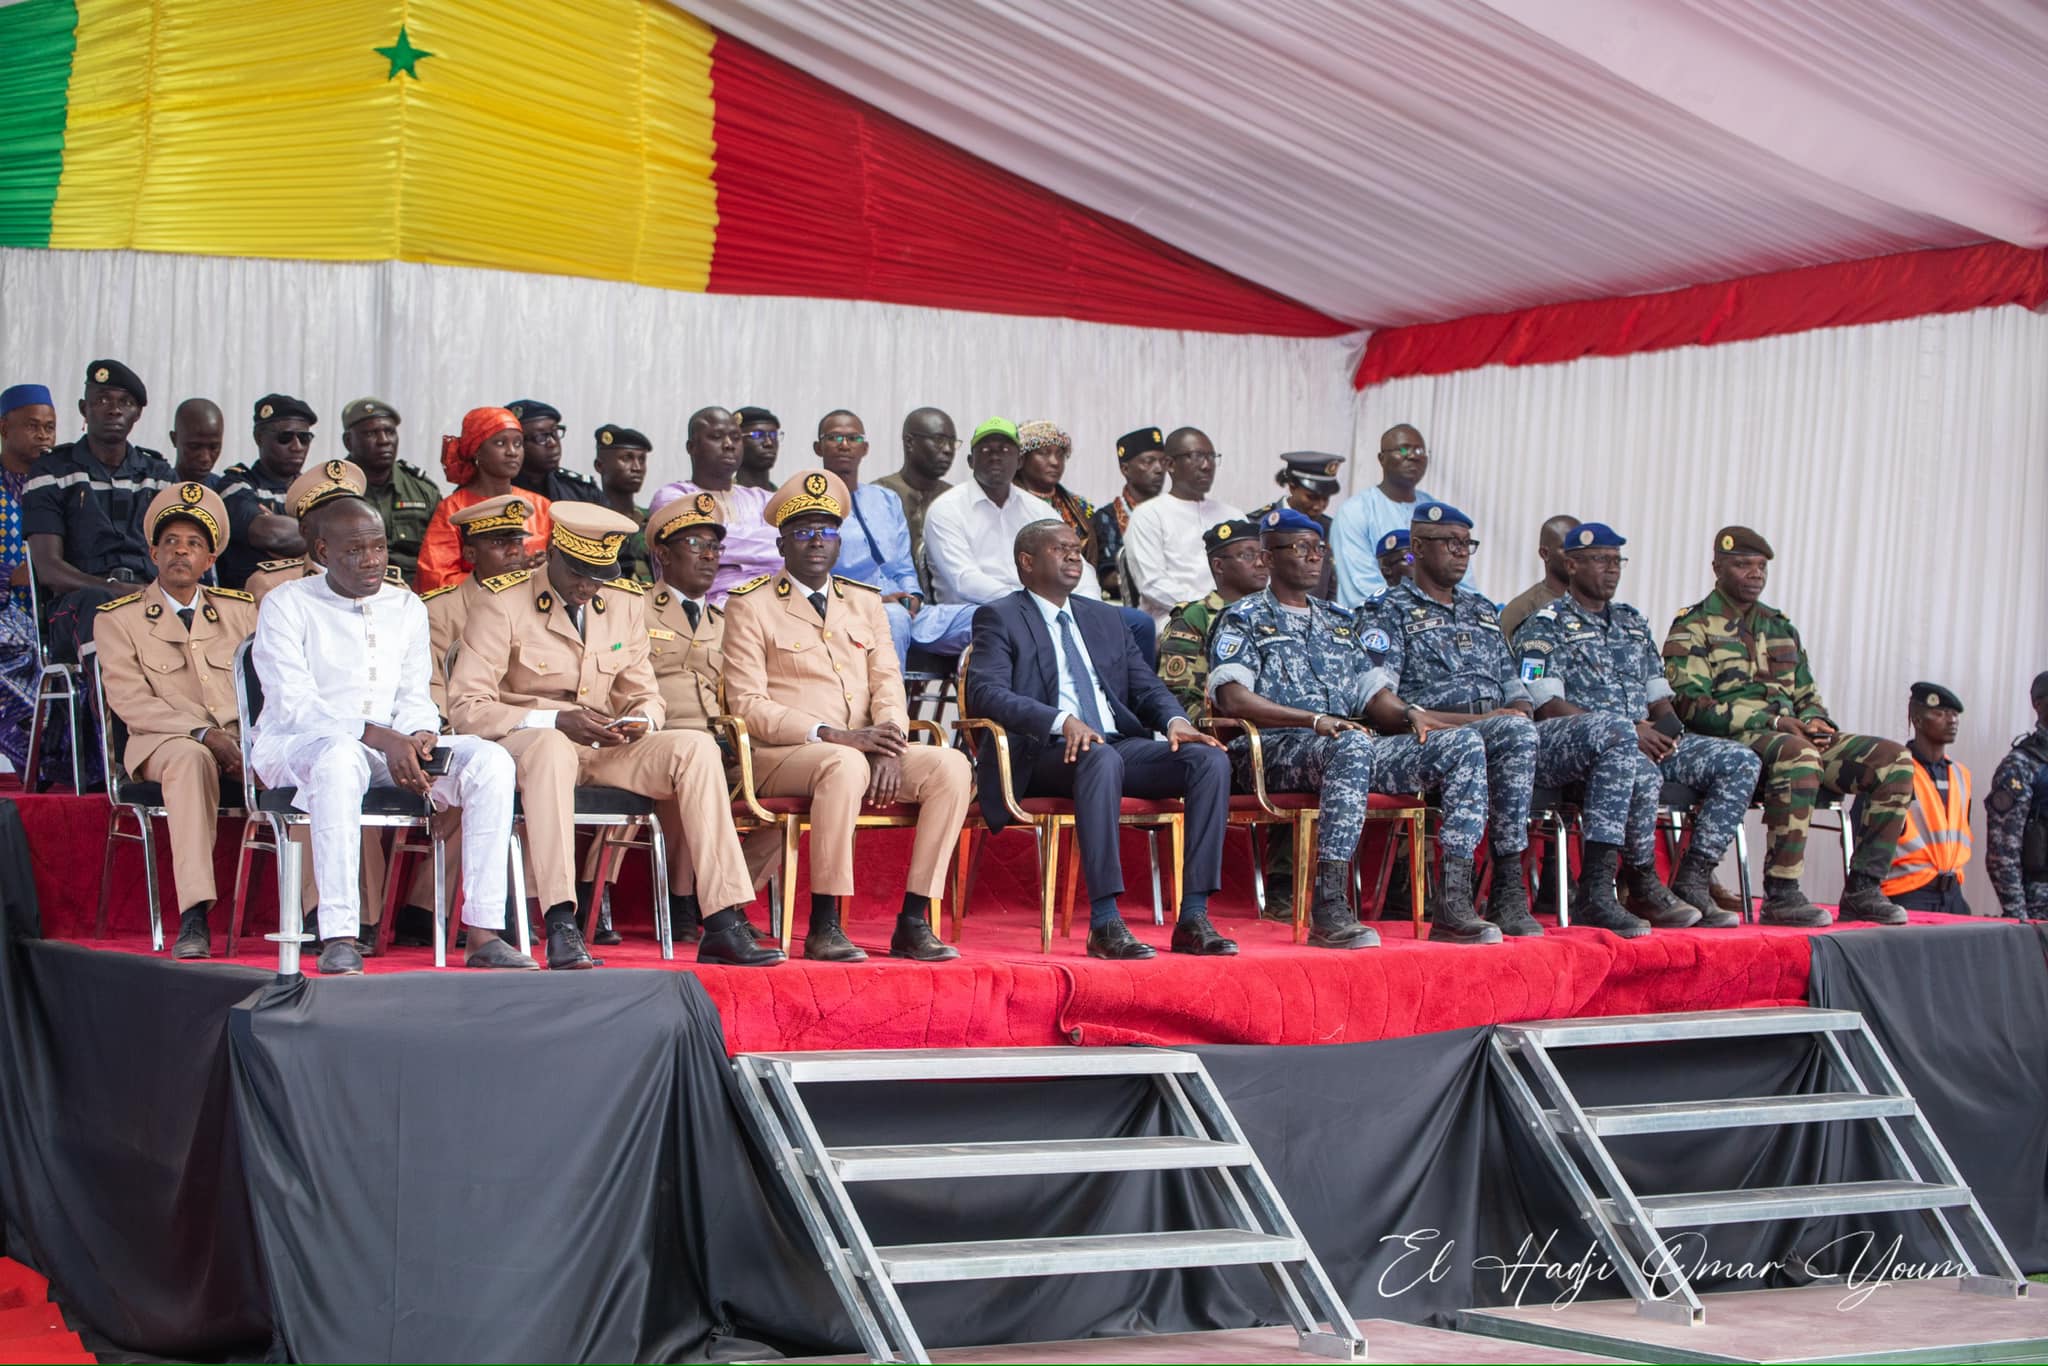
441,559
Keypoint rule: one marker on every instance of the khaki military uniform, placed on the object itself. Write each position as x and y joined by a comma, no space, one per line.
521,654
789,671
688,660
166,683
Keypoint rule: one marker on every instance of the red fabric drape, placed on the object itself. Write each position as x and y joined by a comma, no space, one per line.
1880,289
823,196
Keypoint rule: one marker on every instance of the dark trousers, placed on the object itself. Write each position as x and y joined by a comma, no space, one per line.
1944,894
1100,779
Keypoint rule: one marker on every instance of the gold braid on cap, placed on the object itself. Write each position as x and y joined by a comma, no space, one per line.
511,517
603,550
815,497
334,485
188,505
701,510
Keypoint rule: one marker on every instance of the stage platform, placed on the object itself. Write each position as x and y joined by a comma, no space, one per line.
1385,1340
1004,992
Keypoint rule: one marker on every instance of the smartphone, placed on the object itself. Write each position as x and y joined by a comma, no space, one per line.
624,722
435,765
1670,725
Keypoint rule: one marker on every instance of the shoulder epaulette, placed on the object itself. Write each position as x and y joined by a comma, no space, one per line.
433,593
393,574
717,613
119,602
751,584
279,566
498,583
237,594
626,585
855,583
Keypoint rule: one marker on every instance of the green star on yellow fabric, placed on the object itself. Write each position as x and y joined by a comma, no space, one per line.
403,56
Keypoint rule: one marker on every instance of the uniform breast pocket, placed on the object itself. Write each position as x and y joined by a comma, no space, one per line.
161,665
790,646
1783,658
610,662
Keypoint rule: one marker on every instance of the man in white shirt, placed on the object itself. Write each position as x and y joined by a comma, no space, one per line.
344,660
1368,515
970,529
1163,545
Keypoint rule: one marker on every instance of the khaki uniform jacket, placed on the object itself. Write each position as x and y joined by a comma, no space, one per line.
687,663
162,682
447,614
520,653
787,671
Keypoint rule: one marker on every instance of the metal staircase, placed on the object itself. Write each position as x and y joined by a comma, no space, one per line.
1629,1227
1207,1139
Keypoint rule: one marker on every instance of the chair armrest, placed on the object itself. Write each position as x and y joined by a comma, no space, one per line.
968,724
1220,726
930,730
743,749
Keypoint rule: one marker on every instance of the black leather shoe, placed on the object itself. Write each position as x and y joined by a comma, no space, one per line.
1343,935
496,953
195,940
914,940
1116,941
606,936
737,948
565,947
338,958
1197,936
829,944
366,941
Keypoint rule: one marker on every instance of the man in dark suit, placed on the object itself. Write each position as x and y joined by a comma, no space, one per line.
1062,676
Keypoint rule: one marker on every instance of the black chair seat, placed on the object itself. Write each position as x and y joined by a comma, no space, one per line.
603,801
1679,797
924,661
137,793
378,801
1543,798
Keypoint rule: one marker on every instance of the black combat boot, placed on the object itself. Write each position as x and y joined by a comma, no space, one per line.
1331,922
1507,904
1693,884
1864,899
1451,917
1595,904
1786,904
1656,903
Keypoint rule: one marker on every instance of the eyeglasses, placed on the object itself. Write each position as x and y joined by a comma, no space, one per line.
804,535
1606,561
1244,554
1198,457
763,434
696,545
843,441
1457,545
544,436
1406,452
1300,550
292,438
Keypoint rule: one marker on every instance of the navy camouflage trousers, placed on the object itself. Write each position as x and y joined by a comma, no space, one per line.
1723,772
1597,748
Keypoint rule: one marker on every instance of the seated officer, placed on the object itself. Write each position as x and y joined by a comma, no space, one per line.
685,631
1391,553
1442,648
168,657
1737,669
810,668
255,490
343,659
493,535
1586,652
1289,662
1927,869
554,664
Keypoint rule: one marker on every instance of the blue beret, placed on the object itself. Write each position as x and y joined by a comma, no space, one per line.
532,410
1593,536
1439,514
1392,541
23,396
1287,519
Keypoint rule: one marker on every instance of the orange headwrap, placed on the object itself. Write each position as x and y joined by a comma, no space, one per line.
458,453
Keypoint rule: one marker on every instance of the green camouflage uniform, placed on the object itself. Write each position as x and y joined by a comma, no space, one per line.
1734,675
406,503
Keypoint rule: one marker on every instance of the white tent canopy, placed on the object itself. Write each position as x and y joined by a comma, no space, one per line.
1390,163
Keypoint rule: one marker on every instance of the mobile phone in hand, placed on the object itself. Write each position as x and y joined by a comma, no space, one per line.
435,765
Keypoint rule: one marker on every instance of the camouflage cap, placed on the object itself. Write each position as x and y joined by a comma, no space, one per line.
1740,540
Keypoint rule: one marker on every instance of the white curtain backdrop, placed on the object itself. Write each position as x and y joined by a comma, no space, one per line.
436,341
1899,470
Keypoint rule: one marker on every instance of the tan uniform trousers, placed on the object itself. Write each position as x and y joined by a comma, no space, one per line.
682,764
190,776
835,777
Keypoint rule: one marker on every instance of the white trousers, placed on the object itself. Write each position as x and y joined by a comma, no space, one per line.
332,776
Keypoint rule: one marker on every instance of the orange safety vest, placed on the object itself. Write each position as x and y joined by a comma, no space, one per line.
1937,836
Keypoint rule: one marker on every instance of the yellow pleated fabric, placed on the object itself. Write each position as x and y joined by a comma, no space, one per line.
566,136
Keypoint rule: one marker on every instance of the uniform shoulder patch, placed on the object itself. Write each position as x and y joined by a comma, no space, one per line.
237,594
498,583
1376,640
751,584
433,593
119,602
633,586
393,574
279,566
856,583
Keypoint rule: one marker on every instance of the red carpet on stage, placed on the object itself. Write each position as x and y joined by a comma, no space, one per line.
31,1329
1003,992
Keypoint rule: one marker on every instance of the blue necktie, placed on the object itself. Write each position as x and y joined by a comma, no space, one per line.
1077,674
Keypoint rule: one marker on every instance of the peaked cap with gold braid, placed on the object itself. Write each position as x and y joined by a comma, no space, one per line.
819,491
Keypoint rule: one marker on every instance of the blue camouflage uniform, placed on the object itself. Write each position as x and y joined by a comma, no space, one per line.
1310,658
1609,663
2015,787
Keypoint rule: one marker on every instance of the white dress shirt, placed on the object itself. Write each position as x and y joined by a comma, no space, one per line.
332,665
970,544
1163,545
1070,700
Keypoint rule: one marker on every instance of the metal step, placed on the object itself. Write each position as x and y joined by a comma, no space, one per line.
910,1263
1747,1112
1793,1202
970,1064
939,1161
1695,1024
